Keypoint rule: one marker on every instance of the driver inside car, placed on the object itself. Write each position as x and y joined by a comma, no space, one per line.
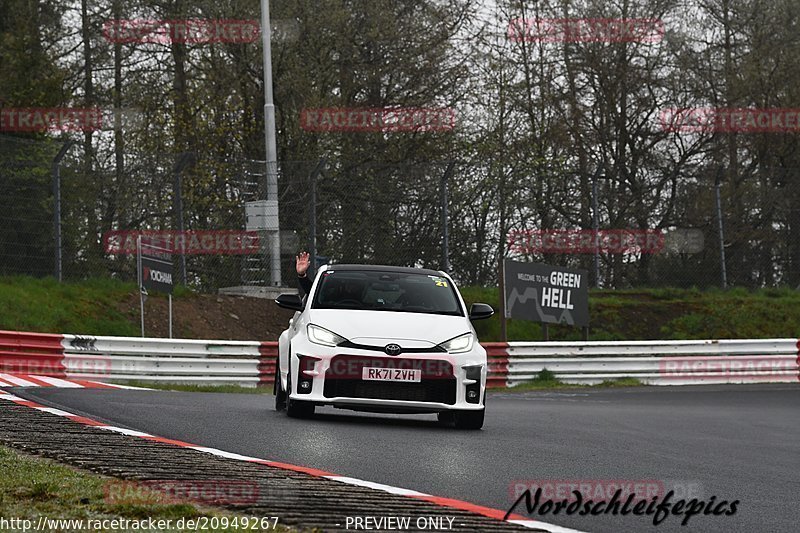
343,291
413,297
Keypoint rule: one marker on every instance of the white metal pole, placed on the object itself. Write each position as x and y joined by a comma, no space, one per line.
596,230
721,232
57,206
139,278
271,145
170,316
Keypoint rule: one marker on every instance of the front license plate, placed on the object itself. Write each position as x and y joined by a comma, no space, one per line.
391,374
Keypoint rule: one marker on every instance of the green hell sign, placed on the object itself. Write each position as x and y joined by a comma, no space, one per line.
545,293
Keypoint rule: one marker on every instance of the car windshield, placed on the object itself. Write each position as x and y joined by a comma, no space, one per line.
386,291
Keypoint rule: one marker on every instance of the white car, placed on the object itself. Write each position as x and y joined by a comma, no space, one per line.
383,339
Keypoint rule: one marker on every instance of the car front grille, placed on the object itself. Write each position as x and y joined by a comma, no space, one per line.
438,391
438,383
355,346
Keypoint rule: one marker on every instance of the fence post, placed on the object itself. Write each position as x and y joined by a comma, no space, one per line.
185,159
57,206
443,197
596,228
501,290
720,229
312,223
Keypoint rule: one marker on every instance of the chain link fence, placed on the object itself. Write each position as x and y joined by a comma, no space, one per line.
461,217
27,244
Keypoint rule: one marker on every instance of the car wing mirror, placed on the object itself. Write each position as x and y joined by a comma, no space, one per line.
479,311
290,301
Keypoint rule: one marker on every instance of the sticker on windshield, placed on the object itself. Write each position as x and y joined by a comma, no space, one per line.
439,282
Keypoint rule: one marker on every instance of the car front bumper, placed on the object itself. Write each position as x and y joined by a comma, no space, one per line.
332,376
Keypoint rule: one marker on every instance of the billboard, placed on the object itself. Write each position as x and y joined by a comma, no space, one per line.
545,293
156,266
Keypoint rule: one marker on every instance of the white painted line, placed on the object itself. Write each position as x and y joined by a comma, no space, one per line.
131,432
54,411
544,525
58,382
227,455
117,386
18,381
377,486
10,397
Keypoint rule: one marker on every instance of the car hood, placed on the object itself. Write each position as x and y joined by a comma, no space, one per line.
364,326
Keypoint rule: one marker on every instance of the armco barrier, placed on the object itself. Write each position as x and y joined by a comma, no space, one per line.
252,363
208,362
31,353
267,362
497,355
657,362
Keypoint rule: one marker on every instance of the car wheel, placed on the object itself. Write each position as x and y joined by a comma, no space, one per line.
297,408
469,419
280,394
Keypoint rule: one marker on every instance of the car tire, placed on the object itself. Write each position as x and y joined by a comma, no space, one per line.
280,394
297,408
469,419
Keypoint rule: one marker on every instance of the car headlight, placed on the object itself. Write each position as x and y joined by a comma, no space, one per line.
460,344
319,335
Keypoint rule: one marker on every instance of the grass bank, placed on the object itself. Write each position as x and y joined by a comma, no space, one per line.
663,314
44,305
33,487
110,307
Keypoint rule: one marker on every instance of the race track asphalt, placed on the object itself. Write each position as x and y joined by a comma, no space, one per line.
732,442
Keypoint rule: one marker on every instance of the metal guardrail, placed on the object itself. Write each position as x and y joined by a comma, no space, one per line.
31,353
664,347
252,363
657,362
248,363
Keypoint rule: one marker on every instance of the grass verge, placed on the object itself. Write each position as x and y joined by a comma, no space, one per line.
182,387
547,380
32,487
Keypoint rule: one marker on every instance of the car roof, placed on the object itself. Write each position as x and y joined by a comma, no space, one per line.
384,268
